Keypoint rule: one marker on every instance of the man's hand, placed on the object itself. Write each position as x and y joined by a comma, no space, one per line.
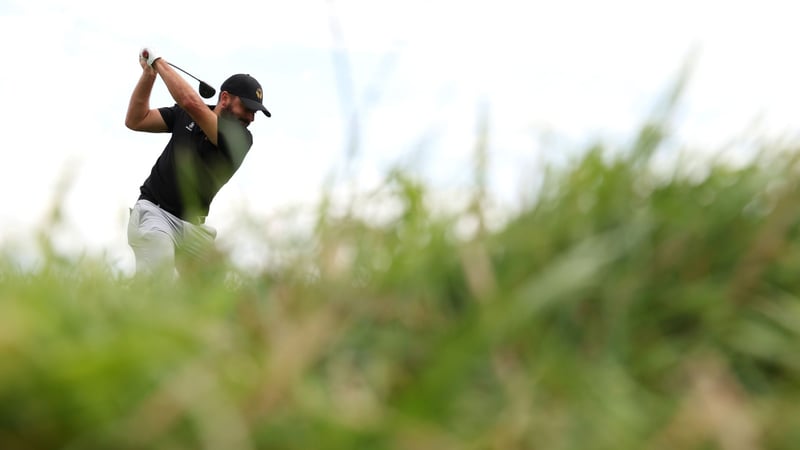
145,68
148,56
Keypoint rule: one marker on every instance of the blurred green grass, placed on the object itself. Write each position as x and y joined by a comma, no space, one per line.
625,308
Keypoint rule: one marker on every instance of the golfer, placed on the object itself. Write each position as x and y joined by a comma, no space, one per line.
167,227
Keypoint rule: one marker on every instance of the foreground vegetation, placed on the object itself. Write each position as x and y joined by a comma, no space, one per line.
625,308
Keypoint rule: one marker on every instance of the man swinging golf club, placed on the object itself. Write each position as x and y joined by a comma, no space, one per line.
208,144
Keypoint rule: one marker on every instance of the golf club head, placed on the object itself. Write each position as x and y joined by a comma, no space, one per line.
206,91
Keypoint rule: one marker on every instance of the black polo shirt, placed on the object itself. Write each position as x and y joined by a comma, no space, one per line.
191,169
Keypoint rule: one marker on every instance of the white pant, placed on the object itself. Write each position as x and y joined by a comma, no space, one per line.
155,236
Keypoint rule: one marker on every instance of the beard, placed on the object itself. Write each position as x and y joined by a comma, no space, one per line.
227,111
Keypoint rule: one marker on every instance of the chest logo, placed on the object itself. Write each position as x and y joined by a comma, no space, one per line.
190,127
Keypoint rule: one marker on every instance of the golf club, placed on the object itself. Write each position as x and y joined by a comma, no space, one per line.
206,91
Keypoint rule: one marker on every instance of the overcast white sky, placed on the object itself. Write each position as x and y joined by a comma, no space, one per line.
573,70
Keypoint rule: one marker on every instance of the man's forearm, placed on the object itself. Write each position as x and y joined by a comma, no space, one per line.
139,104
183,93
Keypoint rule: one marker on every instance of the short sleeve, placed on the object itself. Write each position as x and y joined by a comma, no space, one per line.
168,114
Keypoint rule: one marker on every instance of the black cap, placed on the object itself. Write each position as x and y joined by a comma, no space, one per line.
248,90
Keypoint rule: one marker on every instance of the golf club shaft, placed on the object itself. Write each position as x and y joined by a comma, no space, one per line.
206,91
187,73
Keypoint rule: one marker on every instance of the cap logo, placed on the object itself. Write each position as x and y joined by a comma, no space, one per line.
259,94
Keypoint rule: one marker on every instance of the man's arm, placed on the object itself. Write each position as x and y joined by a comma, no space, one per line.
140,117
188,99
